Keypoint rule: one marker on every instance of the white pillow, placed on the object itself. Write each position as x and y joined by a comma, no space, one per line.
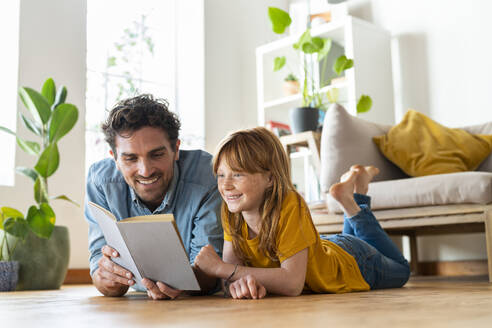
347,140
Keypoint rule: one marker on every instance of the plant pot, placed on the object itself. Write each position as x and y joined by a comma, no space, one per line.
291,87
304,119
9,274
43,262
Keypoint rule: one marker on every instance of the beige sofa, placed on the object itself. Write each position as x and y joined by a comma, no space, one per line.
445,203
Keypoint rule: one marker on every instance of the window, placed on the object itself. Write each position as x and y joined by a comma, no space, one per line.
134,50
9,21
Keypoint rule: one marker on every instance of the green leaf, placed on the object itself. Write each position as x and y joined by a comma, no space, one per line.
305,38
317,42
339,64
364,104
49,91
348,64
4,129
332,95
309,48
42,220
325,49
61,95
17,227
63,197
342,63
36,104
278,63
62,121
28,172
40,192
111,61
48,161
9,212
31,125
280,19
29,147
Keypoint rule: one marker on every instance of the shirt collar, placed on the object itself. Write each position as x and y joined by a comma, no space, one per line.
168,198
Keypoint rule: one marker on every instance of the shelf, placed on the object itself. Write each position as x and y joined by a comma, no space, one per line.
333,30
308,139
300,154
291,101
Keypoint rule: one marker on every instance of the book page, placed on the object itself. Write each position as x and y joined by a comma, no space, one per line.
158,252
107,222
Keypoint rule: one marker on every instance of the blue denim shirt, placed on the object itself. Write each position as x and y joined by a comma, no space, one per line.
192,198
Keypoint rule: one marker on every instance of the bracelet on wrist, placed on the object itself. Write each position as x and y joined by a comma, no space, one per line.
227,282
232,274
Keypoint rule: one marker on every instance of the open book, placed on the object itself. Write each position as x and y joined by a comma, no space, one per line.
149,246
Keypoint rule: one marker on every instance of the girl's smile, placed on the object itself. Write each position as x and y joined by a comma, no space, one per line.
243,192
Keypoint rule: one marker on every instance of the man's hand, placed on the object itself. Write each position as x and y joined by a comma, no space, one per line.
247,287
111,279
159,290
208,261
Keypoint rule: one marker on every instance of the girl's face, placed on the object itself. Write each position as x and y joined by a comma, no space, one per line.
243,192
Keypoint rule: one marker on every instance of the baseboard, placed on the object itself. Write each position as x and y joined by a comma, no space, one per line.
453,268
442,268
78,276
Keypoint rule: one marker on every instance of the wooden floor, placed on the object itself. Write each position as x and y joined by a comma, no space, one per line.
423,302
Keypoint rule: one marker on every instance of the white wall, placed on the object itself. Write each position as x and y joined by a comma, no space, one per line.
443,69
52,44
233,30
9,21
444,55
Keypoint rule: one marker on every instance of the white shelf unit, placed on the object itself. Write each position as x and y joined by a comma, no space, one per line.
368,45
370,48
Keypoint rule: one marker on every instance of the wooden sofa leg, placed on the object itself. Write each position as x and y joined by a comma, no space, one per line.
414,257
488,239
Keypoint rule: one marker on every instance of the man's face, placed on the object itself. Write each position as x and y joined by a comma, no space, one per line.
146,160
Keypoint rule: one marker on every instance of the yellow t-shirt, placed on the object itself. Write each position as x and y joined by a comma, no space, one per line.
330,268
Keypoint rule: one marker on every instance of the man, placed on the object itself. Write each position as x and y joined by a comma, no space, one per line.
148,174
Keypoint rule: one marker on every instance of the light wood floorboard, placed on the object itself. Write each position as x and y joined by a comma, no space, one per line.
423,302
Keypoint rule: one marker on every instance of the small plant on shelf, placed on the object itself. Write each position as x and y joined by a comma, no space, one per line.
291,84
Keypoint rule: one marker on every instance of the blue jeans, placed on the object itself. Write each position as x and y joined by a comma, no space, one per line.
381,263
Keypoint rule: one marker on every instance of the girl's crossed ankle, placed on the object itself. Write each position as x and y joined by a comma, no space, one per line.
356,180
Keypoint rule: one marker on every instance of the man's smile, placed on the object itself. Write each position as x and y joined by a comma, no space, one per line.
148,181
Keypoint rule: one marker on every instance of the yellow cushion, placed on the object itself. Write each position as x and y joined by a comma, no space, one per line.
421,146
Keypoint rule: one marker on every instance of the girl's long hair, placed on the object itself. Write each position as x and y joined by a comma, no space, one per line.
256,151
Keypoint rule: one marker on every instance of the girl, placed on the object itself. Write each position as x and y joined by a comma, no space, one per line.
270,242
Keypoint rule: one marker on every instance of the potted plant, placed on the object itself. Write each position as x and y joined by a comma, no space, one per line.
312,51
9,270
43,250
291,85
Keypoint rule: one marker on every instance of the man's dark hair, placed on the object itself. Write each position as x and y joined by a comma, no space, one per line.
132,114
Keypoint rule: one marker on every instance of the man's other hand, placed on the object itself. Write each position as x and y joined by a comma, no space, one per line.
111,279
159,290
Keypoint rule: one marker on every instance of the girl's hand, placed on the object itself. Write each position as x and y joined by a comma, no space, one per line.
247,287
208,261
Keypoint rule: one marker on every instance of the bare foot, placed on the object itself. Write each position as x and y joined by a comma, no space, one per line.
343,193
364,175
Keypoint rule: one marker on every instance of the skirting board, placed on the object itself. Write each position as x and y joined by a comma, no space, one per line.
78,276
444,268
454,268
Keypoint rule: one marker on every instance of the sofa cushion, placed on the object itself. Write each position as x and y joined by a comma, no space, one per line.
442,189
421,146
347,140
484,128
